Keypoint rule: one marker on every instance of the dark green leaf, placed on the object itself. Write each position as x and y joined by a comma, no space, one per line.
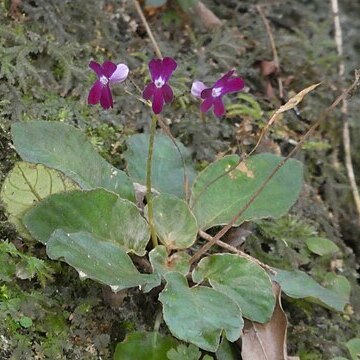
25,322
98,212
182,352
67,149
167,165
96,259
353,346
226,351
185,4
299,285
144,345
199,315
162,263
321,246
218,203
246,283
174,222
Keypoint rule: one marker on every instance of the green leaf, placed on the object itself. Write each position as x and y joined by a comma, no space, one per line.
67,149
174,222
99,212
299,285
144,345
321,246
25,185
182,352
25,322
155,3
199,315
339,284
353,346
167,165
186,4
245,106
162,263
246,283
99,260
226,351
219,202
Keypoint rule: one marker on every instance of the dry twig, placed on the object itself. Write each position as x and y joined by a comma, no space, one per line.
147,28
273,47
344,109
228,247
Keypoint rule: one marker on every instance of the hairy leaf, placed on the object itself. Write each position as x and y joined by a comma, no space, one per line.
243,281
162,263
144,345
321,246
25,185
174,222
167,164
96,259
199,315
353,346
216,200
99,212
67,149
299,285
182,352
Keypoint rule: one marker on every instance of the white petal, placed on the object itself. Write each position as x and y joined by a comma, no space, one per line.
196,88
120,74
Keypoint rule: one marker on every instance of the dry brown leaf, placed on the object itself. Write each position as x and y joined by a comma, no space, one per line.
269,90
207,17
294,101
243,168
14,10
297,99
268,67
112,299
266,341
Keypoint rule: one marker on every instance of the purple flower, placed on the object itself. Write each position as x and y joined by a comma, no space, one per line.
213,96
158,90
108,73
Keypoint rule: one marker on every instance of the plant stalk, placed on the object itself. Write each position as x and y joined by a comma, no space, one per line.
149,195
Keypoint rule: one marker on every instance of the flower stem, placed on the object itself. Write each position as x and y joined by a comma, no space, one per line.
149,195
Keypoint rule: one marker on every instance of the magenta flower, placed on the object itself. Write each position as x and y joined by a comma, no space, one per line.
158,91
213,96
108,73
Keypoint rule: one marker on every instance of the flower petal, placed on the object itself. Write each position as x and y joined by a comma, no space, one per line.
219,108
196,88
155,66
167,93
108,68
106,100
120,74
168,67
233,85
206,104
223,80
95,93
96,67
149,91
206,93
158,101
